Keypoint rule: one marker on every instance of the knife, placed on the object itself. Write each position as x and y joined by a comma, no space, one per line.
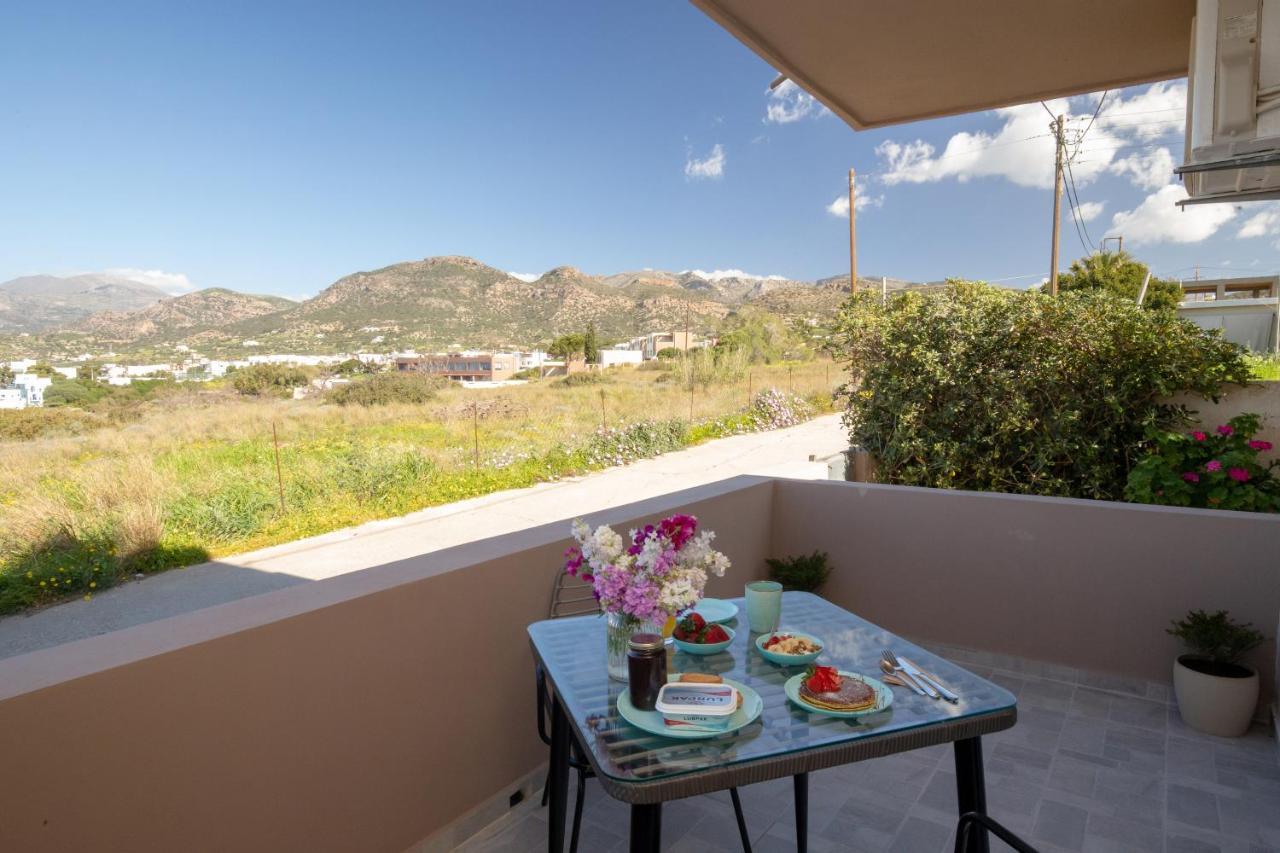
920,675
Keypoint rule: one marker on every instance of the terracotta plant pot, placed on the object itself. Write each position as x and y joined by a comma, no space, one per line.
1215,698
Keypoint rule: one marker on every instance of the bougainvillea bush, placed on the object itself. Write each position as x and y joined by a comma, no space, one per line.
976,387
1219,469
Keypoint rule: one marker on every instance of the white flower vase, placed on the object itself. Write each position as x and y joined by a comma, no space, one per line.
617,634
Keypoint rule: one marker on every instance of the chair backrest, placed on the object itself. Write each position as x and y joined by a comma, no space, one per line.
571,596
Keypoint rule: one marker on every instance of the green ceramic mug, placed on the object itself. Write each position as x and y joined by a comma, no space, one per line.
764,606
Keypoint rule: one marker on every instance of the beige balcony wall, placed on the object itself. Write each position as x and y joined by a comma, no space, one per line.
365,712
1087,584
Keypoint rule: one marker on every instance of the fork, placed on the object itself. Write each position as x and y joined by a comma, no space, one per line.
892,659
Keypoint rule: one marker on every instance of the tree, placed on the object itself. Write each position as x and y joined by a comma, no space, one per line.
590,345
40,368
355,367
6,374
567,345
274,379
760,335
1120,274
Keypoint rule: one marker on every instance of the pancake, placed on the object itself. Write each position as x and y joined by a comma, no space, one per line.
853,695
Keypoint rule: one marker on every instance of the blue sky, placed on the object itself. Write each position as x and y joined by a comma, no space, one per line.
274,147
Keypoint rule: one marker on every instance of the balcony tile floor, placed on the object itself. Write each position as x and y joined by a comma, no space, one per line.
1094,764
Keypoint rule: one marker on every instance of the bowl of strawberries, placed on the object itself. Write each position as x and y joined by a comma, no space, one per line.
695,636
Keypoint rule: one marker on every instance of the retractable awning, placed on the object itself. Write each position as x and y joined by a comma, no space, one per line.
882,62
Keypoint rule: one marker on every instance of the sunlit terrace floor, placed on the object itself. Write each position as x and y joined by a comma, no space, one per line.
1095,763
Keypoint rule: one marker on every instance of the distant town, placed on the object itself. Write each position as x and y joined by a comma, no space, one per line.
24,383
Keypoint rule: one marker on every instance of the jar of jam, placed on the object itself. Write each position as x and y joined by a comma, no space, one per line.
646,669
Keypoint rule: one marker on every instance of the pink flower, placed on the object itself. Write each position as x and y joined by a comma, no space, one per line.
1260,445
1213,465
1198,435
1225,430
1191,476
1238,474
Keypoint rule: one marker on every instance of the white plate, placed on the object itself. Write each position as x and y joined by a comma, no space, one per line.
716,610
652,722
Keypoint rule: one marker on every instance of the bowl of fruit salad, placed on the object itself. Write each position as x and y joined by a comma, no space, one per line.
695,636
789,648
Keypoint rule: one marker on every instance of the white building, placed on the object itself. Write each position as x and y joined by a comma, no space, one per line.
67,372
27,390
612,357
12,397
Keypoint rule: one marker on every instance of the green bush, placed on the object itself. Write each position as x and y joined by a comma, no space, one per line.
1219,470
383,388
1216,637
27,424
585,377
805,572
273,379
975,387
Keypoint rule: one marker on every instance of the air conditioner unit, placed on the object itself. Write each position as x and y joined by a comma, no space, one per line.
1233,102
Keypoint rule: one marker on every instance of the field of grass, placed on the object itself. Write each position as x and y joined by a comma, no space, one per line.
1265,367
195,475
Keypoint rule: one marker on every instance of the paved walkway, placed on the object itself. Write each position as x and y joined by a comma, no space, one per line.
782,453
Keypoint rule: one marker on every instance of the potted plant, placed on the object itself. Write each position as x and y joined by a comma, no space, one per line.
1216,693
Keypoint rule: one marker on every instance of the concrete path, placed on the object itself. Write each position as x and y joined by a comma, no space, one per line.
781,453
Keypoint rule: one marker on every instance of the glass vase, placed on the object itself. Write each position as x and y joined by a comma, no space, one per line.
617,633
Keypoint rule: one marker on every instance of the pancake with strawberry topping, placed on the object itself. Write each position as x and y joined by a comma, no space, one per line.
825,688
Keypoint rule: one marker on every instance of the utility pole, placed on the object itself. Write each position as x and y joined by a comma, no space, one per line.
853,237
1197,272
1057,204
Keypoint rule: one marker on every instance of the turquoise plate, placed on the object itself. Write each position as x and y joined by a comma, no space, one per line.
651,721
884,696
716,610
788,660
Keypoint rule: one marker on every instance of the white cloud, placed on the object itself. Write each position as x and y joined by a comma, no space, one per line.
1150,170
711,166
840,207
169,282
1265,223
1091,210
1158,220
717,275
788,103
1021,149
525,276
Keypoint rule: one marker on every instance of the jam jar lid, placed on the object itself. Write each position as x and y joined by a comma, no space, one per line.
646,642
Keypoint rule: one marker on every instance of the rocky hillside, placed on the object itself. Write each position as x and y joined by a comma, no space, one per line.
39,303
183,316
440,302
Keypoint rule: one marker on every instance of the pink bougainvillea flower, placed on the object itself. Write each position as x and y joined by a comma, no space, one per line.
1225,429
1198,435
1238,474
1191,476
1260,445
1213,465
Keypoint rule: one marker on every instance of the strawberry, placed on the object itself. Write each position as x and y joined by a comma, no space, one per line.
688,628
715,634
822,679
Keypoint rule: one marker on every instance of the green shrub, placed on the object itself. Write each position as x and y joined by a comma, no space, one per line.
273,379
1216,637
383,388
640,440
1219,470
805,572
668,353
28,424
1265,368
975,387
585,377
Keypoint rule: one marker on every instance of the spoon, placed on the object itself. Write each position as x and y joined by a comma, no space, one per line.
888,670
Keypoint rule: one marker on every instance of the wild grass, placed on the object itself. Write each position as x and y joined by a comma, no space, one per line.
1264,367
195,477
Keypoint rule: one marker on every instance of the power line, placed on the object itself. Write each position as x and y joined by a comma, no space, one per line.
1101,101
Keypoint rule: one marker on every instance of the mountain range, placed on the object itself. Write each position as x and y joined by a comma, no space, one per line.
431,303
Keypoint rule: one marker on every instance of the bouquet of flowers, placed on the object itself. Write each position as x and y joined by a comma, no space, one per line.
655,573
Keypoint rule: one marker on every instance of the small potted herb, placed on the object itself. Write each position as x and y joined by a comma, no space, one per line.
1216,693
805,572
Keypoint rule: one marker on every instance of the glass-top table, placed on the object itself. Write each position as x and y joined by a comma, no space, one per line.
646,770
